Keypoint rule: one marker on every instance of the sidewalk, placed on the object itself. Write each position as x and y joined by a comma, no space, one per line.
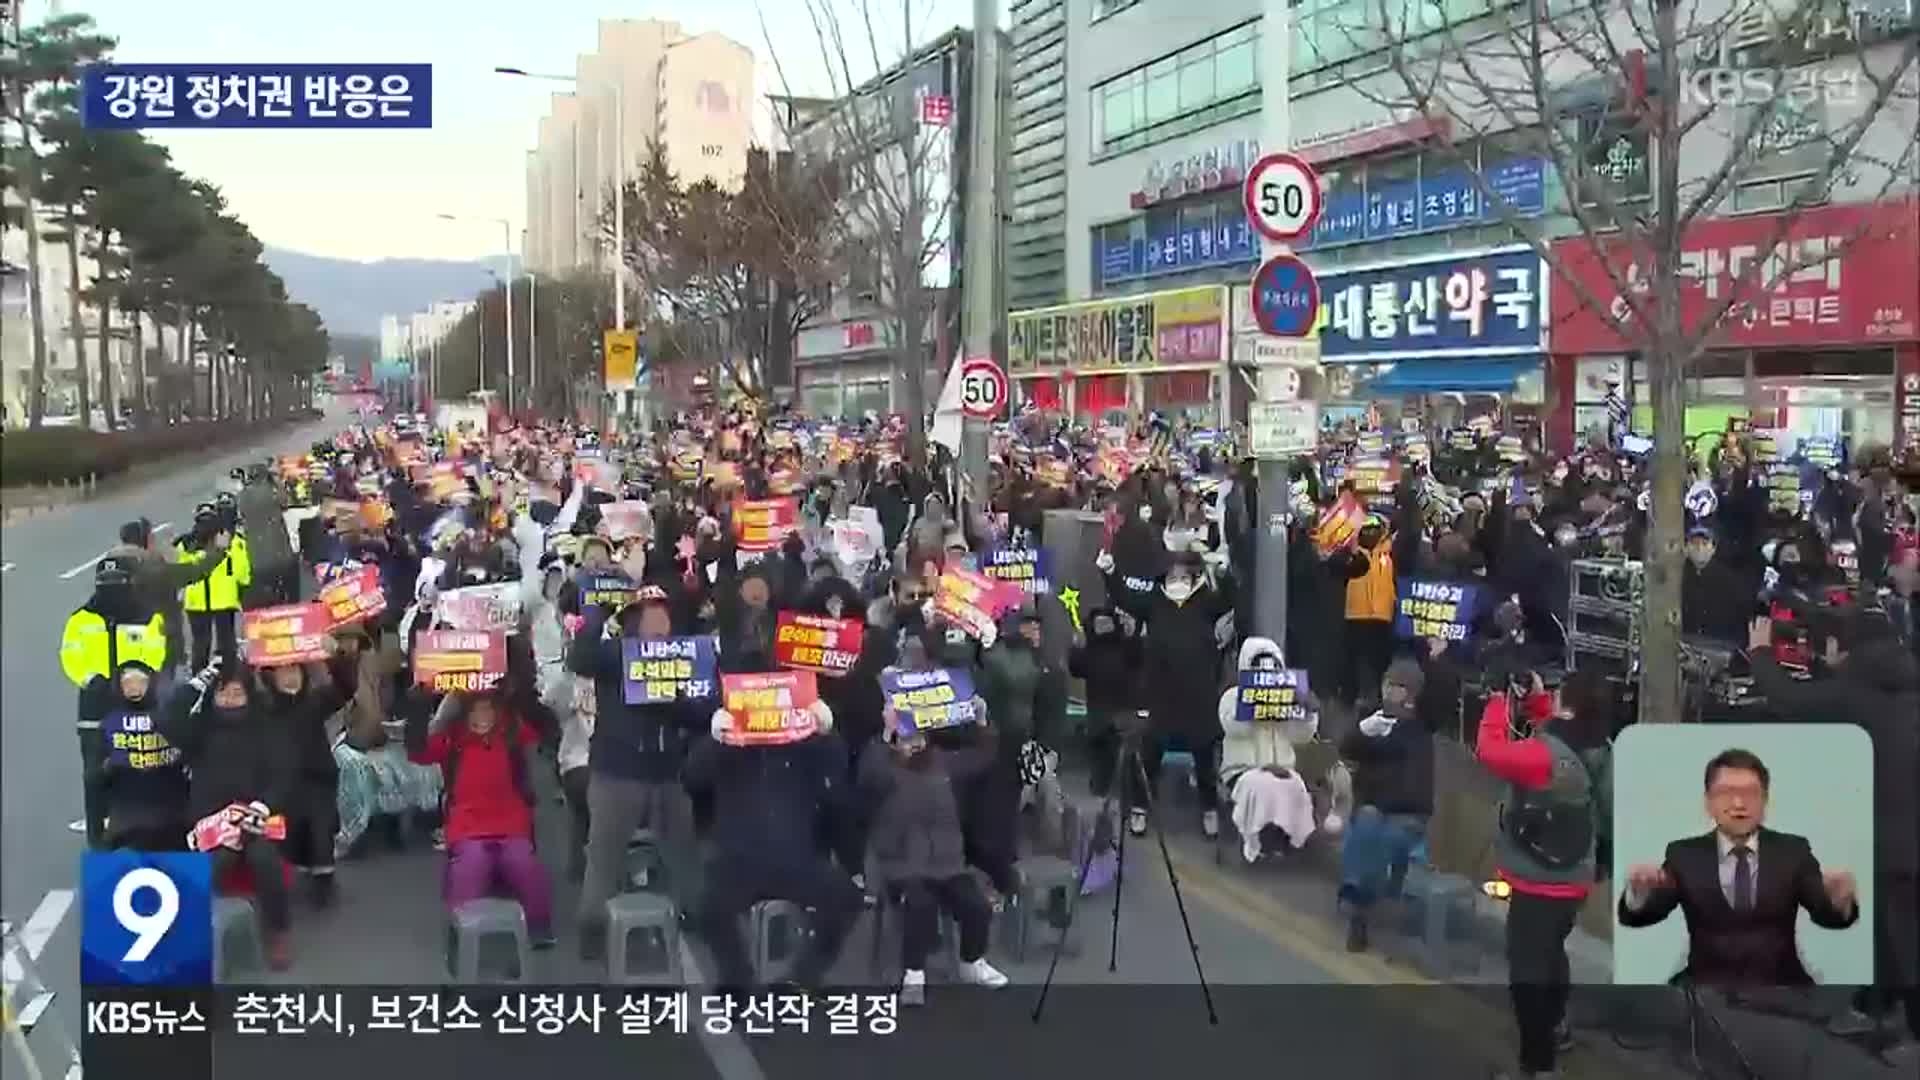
1300,888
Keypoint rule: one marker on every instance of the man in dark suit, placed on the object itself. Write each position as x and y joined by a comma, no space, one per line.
1741,886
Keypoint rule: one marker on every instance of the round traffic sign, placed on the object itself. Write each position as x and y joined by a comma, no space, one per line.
983,389
1286,298
1282,196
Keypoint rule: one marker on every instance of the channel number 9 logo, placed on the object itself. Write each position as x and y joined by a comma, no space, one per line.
147,919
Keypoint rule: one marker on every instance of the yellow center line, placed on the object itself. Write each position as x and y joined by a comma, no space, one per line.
1485,1029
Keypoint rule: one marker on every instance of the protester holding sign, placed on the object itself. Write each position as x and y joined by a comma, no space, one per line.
635,753
1263,718
916,834
769,798
1182,667
299,700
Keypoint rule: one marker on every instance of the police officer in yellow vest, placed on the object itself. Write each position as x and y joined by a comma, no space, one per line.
213,604
109,630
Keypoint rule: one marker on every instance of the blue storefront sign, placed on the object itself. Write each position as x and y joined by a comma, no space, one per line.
1490,303
1434,202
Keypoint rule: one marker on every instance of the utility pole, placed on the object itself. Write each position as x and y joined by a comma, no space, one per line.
1270,524
983,280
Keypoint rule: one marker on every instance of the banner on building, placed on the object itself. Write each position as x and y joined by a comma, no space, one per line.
621,353
1176,326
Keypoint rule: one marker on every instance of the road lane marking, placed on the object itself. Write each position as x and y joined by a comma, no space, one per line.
90,563
39,930
727,1050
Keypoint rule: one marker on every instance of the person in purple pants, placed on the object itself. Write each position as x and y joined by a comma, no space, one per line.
481,748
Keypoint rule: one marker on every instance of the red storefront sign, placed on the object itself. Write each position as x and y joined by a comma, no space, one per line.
1833,275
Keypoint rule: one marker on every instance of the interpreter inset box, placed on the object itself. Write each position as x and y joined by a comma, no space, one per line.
1743,855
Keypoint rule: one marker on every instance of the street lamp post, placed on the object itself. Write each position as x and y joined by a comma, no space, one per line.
506,242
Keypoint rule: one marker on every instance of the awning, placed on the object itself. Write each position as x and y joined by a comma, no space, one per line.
1441,375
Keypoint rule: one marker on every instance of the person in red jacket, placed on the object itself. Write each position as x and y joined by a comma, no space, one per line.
482,753
1555,765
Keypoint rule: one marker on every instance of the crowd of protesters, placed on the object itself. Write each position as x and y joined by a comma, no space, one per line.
603,543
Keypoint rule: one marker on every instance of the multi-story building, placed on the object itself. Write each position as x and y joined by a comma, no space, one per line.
847,359
65,356
647,82
1036,126
1163,117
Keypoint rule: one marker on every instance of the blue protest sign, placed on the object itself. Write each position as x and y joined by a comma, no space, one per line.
606,592
1025,567
133,96
146,919
1437,609
926,700
134,743
1272,695
656,671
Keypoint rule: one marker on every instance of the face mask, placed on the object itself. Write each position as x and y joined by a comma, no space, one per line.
1700,556
1178,591
1565,537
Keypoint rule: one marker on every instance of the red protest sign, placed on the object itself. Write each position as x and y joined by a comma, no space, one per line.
761,524
462,661
354,596
818,643
974,600
770,708
287,634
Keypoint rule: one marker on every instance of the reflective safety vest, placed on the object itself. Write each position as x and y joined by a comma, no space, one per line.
87,649
220,591
1370,597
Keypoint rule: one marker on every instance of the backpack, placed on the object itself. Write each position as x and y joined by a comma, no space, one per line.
1560,832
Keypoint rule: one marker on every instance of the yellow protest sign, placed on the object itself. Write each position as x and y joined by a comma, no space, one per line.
622,357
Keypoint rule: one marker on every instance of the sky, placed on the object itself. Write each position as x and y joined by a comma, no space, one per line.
376,194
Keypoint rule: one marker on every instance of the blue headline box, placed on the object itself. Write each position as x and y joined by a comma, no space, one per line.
132,96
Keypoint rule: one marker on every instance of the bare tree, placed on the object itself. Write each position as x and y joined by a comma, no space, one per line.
1655,115
898,172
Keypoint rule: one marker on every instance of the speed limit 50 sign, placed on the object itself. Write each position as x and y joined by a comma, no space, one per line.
983,388
1282,196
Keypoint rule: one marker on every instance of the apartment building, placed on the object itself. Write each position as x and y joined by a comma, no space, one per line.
647,82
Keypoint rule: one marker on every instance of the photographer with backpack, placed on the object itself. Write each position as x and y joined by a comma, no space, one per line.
1555,760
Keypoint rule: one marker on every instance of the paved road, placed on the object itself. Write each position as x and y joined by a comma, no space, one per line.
45,572
1285,993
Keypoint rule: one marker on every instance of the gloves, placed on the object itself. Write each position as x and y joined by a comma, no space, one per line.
1377,725
1103,562
1223,630
822,716
989,634
722,725
204,678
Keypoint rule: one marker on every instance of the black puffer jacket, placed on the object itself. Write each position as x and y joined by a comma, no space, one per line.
1110,665
1182,670
234,755
302,718
855,697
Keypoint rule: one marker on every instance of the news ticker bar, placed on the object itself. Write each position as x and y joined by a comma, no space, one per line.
134,96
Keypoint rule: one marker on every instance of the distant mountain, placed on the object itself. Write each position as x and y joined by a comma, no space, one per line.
351,296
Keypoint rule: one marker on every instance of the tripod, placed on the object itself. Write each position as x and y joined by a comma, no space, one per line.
1127,767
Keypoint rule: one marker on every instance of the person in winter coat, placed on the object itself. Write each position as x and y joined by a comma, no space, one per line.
1875,685
158,582
633,759
299,700
918,849
1182,669
376,780
143,777
1257,762
768,804
235,755
1108,659
1558,796
747,622
482,749
1369,571
262,517
1026,695
1391,754
1714,601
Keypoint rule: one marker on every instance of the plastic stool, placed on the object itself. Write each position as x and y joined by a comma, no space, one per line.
655,917
779,929
231,915
1047,887
1438,919
476,921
